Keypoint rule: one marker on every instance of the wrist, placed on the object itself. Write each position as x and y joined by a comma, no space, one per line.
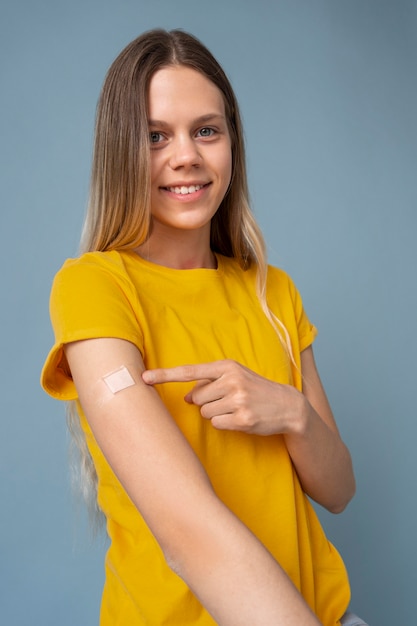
301,416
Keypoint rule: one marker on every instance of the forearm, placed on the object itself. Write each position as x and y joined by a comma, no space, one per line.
321,459
234,576
228,569
235,398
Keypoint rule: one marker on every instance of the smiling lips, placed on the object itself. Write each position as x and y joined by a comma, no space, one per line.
184,190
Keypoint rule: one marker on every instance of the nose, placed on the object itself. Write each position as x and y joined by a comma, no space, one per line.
184,153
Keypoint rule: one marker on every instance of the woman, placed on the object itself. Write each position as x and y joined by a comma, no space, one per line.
191,365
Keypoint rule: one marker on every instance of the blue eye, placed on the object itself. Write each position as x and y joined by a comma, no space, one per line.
206,132
155,137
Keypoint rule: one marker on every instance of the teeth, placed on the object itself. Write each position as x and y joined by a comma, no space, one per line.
185,190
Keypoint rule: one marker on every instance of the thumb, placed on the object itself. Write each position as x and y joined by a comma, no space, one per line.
189,397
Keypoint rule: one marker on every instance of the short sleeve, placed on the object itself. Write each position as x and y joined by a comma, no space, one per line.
307,332
286,302
91,297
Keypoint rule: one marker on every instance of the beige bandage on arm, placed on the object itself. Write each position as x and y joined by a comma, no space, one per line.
119,379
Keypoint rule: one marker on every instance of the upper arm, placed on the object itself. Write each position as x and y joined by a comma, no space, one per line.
137,435
313,389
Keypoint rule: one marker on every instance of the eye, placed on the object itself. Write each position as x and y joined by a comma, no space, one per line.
155,137
206,132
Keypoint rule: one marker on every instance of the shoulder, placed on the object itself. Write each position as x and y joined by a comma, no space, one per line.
91,297
90,274
279,283
94,286
286,302
279,278
283,293
93,264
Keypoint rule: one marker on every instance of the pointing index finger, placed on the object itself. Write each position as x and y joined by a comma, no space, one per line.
183,373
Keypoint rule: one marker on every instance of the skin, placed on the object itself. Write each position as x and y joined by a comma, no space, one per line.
222,562
228,569
235,398
190,147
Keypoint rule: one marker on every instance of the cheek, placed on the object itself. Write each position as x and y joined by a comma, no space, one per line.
154,168
229,171
225,164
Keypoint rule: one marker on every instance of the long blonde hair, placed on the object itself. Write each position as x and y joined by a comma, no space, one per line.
118,215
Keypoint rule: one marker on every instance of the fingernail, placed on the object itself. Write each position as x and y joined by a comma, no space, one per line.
148,377
188,398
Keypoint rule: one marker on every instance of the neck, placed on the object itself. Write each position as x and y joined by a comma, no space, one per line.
184,250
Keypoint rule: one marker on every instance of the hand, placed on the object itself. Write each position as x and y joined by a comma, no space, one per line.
234,397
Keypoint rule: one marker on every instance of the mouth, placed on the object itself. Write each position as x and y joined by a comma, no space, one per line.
184,190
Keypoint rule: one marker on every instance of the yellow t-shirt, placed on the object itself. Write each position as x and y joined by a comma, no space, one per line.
176,317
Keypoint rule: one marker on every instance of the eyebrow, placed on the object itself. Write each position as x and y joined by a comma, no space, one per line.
203,119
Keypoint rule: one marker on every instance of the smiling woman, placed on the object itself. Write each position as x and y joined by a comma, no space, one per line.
191,165
189,364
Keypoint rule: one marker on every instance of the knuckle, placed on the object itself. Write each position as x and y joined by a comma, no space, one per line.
241,397
219,423
196,398
245,420
188,372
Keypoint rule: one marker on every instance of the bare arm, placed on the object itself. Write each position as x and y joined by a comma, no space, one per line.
322,460
236,398
228,569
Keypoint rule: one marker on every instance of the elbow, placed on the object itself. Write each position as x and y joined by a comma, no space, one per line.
185,561
346,493
176,558
175,550
180,550
174,563
338,508
194,543
340,504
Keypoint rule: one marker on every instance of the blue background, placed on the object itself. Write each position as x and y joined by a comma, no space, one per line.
329,100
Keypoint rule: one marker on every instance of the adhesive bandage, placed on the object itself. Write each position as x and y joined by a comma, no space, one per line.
119,379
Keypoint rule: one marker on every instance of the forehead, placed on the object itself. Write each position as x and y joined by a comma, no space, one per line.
176,90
